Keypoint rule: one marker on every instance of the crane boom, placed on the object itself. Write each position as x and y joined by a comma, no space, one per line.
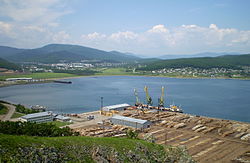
148,98
137,98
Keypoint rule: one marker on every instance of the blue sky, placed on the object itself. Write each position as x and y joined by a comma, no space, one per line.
148,27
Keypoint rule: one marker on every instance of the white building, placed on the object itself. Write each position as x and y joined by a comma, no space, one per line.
62,118
18,79
131,122
38,117
118,107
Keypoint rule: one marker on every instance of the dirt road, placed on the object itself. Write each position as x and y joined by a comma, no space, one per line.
10,112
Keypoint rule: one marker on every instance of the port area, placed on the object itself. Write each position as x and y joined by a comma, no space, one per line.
206,139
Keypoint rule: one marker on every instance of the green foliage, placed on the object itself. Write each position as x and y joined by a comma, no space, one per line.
59,124
46,75
132,134
8,65
77,72
34,129
149,137
234,62
3,109
85,149
22,109
17,115
54,53
4,102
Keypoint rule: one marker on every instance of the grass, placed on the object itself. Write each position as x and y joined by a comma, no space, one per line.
83,149
114,71
45,75
17,115
3,109
59,124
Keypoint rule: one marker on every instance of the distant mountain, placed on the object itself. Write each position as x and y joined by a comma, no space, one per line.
6,51
8,65
227,61
205,54
54,53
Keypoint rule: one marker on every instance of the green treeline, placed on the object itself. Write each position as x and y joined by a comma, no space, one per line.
231,62
77,72
8,65
34,129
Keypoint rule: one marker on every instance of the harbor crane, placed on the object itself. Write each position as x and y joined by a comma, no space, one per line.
137,98
161,99
148,98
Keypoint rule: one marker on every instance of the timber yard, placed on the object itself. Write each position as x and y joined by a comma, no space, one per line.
206,139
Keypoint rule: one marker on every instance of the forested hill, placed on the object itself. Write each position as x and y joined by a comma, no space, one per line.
8,65
228,61
54,53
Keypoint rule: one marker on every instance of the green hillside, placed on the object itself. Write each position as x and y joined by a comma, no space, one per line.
229,61
8,65
85,149
54,53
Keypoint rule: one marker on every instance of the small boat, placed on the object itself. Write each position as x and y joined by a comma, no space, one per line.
61,81
175,108
38,108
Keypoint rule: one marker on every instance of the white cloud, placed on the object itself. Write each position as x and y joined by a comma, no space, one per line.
183,39
93,36
61,37
158,29
120,36
32,11
5,27
32,23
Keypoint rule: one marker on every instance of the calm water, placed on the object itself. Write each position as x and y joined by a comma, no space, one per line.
228,99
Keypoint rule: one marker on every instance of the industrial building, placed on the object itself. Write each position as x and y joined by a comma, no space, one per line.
38,117
118,107
131,122
62,118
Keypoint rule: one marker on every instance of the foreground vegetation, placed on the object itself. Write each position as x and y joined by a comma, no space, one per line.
34,129
3,109
86,149
22,109
59,124
17,115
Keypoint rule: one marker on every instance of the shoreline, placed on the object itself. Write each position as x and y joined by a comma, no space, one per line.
98,111
49,80
177,77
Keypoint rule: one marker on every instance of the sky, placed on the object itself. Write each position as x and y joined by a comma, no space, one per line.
146,27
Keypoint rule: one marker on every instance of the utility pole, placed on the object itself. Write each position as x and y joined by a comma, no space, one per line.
165,137
101,105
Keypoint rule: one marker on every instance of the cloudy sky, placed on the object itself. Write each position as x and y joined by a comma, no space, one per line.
148,27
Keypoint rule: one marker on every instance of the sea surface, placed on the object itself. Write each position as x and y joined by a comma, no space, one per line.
220,98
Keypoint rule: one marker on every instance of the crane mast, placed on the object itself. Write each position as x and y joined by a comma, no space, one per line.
161,100
137,98
148,98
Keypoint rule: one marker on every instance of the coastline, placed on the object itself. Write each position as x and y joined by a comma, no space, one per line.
49,80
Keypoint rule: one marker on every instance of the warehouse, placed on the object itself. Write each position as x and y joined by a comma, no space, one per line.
131,122
62,118
118,107
38,117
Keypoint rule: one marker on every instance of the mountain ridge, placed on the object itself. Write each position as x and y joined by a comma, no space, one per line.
58,52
